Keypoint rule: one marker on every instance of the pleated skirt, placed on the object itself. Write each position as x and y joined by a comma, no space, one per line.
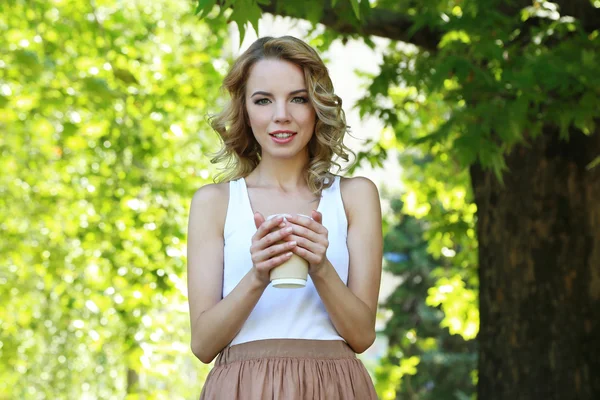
288,369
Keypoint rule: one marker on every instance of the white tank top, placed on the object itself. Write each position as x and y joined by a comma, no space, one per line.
283,313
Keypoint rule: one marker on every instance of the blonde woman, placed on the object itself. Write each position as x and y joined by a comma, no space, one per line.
280,132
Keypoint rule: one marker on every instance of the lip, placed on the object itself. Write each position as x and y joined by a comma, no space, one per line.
281,131
282,141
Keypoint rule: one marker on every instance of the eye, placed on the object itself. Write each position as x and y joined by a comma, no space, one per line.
261,102
300,100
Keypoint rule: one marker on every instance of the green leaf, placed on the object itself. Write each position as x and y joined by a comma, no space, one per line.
595,162
125,76
355,8
437,136
246,11
565,118
314,14
29,60
204,7
254,14
99,87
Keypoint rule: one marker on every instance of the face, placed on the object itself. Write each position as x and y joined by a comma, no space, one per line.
281,116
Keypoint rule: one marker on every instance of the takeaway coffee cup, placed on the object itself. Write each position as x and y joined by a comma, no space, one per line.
292,273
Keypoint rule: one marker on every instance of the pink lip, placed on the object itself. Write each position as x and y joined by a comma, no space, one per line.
281,131
283,141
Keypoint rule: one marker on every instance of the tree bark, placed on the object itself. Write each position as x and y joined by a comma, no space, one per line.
379,22
396,25
539,270
133,380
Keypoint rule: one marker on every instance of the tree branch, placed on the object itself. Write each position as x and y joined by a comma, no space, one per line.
379,22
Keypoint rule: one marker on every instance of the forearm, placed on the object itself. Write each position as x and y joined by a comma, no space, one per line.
216,327
351,317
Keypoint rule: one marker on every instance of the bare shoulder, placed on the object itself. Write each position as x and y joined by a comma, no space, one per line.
359,193
357,183
211,192
212,196
210,202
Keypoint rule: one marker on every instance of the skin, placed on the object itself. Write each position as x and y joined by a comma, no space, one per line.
277,99
215,321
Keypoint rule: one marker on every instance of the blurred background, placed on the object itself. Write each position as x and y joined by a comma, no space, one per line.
478,121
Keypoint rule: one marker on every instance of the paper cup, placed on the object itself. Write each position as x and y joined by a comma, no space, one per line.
293,273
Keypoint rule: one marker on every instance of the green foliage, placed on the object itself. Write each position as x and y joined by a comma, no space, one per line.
244,12
102,107
437,191
425,360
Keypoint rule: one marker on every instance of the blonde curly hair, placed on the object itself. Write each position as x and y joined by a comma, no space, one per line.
241,151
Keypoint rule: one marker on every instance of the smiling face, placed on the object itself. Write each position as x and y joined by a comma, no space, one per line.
280,114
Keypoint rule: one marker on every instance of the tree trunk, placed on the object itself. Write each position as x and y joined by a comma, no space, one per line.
539,270
133,380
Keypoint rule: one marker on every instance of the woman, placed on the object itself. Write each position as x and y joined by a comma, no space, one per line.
280,132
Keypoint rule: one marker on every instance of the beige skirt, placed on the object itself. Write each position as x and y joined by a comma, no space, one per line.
288,369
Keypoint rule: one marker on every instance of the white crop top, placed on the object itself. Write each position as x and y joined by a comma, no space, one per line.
283,313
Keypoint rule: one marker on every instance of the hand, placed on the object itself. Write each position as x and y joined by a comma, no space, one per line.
311,238
268,249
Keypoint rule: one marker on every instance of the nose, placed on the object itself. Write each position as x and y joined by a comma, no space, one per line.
281,113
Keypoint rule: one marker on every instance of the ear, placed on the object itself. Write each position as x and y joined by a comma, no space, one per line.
258,219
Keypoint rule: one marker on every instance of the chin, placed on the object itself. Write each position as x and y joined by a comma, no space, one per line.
285,155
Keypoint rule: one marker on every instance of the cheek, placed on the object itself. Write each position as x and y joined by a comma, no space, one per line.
307,116
257,117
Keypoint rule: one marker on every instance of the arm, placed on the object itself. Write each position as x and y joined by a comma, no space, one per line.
215,321
350,315
352,308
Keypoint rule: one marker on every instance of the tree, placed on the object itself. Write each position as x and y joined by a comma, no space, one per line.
515,95
102,114
424,360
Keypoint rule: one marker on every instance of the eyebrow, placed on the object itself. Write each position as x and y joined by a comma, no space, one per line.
270,94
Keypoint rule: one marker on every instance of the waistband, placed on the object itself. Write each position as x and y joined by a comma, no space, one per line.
286,348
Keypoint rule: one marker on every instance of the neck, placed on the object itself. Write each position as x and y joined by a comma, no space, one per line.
285,174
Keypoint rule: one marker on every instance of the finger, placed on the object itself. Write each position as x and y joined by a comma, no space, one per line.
272,251
317,216
309,256
308,223
267,226
273,237
273,262
258,219
309,245
306,233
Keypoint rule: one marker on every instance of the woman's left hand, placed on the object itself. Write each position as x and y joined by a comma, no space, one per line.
311,238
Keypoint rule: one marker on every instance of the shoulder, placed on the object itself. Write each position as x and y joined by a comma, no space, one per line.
209,203
357,183
212,193
359,193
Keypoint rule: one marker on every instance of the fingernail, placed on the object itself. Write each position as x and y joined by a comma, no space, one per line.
281,225
288,229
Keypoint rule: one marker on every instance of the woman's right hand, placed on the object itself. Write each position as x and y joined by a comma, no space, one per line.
268,249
